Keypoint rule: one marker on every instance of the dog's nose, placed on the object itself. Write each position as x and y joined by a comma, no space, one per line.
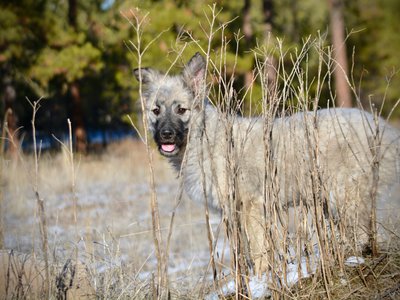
167,134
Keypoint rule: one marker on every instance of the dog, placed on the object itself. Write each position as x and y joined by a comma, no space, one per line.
335,159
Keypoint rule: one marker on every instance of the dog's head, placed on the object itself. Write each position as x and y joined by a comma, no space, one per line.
171,101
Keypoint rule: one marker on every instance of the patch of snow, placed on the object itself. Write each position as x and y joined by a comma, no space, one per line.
354,261
259,285
293,271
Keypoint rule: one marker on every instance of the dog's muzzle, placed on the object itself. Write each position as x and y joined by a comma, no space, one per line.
167,141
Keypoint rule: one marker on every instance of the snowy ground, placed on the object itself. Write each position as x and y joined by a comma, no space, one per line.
113,229
113,225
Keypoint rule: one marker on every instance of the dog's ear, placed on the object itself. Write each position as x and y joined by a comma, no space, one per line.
194,73
146,75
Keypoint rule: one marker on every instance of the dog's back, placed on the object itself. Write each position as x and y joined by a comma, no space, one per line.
337,149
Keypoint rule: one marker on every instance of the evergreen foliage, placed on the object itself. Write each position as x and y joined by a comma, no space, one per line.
43,54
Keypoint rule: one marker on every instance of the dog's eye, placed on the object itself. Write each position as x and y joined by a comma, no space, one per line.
181,110
156,111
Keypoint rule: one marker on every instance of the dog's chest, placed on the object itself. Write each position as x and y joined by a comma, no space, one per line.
198,184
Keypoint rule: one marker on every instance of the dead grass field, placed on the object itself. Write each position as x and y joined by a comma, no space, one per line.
112,237
113,233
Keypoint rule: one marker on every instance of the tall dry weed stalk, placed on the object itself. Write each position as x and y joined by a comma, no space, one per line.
213,30
68,150
39,200
138,21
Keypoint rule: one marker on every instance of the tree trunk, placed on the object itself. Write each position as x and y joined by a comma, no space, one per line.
247,28
77,111
72,13
11,119
270,67
78,119
248,37
343,92
268,8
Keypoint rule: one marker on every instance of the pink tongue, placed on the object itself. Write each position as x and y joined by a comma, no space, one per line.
168,148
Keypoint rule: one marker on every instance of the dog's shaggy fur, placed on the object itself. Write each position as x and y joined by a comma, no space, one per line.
333,156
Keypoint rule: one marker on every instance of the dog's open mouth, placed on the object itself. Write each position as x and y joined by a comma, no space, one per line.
169,149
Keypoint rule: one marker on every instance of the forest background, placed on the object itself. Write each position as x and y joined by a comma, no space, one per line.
75,55
78,57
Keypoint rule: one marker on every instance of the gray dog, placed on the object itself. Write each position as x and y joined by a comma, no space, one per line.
341,158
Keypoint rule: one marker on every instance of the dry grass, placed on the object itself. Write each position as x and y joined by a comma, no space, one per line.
377,278
113,234
114,242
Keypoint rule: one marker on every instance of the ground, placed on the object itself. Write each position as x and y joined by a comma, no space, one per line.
113,228
101,217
